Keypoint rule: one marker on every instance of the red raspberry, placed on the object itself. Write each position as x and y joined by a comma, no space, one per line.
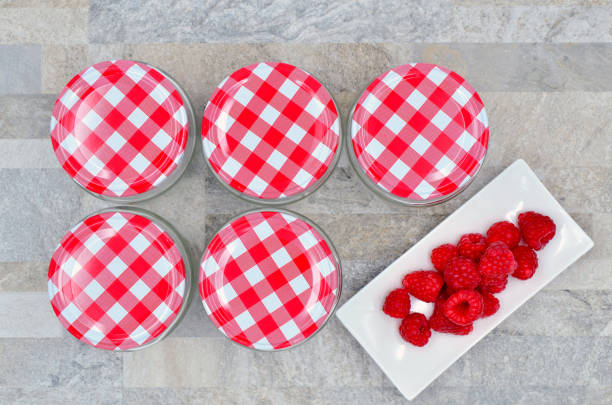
415,329
463,307
441,255
440,323
506,232
472,246
493,284
424,285
497,261
537,229
527,262
490,304
461,274
397,303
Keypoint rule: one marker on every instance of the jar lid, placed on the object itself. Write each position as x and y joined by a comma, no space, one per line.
270,131
119,128
269,280
419,132
117,280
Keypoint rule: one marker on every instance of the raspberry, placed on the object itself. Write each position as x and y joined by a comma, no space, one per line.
397,303
440,323
490,304
493,284
415,329
497,261
506,232
461,274
537,229
472,246
463,307
441,255
527,262
424,285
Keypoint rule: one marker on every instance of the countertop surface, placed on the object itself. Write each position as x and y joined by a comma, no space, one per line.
543,71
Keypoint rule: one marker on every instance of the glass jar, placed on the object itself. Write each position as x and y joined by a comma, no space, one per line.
418,134
123,130
271,133
270,279
120,279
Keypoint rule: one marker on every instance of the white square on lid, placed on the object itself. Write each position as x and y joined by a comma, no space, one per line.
288,88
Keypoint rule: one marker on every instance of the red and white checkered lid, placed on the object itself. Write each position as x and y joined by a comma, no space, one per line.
117,280
270,131
420,132
269,280
119,128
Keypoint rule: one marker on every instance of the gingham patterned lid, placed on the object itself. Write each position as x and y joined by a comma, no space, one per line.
269,280
270,131
116,281
119,128
420,132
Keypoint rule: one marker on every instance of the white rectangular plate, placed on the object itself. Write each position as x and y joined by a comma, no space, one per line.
413,368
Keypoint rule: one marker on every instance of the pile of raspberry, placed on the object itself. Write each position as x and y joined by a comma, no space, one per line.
467,276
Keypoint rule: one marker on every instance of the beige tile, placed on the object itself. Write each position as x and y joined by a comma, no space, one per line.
60,63
547,129
23,276
178,362
45,26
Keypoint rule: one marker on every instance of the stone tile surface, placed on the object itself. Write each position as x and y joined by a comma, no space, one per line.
542,69
23,276
39,152
19,68
27,315
43,25
37,207
317,21
58,363
23,117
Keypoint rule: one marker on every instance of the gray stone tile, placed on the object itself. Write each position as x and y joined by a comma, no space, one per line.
568,313
23,276
19,68
522,122
58,396
36,209
519,67
27,314
585,274
25,117
505,360
279,21
316,21
329,359
530,24
44,3
519,395
532,2
60,63
27,154
602,236
346,69
578,188
58,363
43,25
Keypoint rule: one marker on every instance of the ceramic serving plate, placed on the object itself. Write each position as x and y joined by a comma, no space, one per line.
413,368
